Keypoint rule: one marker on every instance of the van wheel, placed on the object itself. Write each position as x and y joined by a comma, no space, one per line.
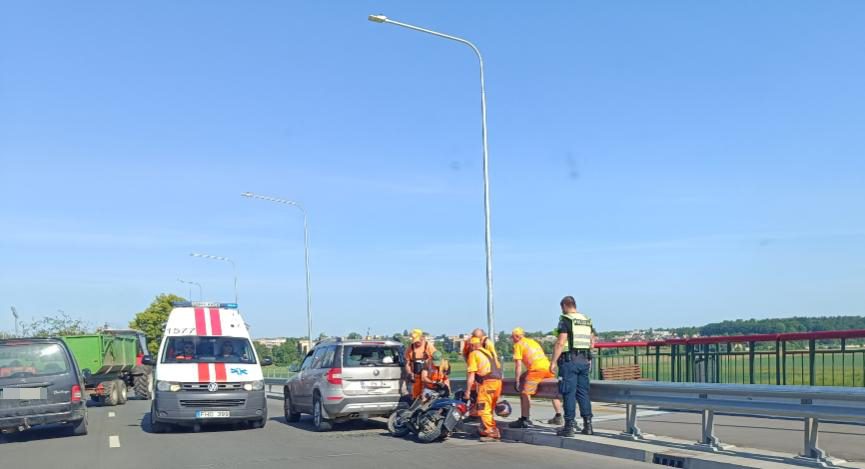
290,414
111,393
122,392
80,428
320,423
155,426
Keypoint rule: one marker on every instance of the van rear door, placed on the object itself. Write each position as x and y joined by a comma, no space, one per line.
370,368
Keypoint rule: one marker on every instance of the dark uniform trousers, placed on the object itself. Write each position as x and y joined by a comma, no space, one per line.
574,372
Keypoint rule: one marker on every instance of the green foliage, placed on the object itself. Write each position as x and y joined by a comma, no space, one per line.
781,325
54,326
284,355
152,320
354,336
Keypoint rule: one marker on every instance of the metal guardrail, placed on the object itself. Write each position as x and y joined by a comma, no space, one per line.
810,403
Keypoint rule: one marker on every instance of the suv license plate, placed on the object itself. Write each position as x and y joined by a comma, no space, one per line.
210,414
373,384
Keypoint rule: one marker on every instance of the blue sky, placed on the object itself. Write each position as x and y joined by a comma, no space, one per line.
668,163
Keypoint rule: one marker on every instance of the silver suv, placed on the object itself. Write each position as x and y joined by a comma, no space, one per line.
341,380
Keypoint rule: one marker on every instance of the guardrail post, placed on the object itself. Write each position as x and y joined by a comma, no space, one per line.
632,431
636,358
812,452
674,357
812,359
688,359
708,439
658,363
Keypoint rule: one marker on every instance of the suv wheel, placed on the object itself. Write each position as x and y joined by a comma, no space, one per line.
80,428
320,423
290,414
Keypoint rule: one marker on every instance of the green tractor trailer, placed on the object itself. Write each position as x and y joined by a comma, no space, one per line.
111,364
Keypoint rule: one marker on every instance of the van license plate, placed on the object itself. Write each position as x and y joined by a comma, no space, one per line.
211,414
24,393
373,384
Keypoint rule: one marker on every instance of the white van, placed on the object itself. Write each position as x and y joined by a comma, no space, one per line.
207,370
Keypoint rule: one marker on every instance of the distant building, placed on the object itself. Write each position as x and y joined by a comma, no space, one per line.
271,342
455,343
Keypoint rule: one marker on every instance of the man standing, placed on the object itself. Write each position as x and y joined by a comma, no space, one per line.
417,356
529,352
484,368
573,356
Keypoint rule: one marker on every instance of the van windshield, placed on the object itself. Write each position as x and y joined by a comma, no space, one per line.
27,359
208,349
370,355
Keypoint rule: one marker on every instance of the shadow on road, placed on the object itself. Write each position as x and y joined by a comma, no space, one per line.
305,423
209,428
46,432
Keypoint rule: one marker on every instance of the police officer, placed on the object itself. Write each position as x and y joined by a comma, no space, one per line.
573,357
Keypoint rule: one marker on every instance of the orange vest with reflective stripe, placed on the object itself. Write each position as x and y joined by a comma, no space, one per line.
488,366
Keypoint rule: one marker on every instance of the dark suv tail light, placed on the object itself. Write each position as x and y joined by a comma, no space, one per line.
76,393
334,376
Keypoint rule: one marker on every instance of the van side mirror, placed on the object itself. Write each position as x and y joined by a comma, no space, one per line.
148,360
266,361
294,368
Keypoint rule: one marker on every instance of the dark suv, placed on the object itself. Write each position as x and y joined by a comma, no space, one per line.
40,384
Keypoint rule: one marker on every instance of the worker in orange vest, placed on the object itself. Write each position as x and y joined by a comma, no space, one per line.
437,373
529,352
484,368
487,344
417,357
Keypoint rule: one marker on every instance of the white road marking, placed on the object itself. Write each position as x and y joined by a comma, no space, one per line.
111,414
114,441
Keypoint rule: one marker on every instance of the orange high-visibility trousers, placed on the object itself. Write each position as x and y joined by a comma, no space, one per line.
488,396
417,387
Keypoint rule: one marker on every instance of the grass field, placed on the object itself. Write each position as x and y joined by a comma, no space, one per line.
831,368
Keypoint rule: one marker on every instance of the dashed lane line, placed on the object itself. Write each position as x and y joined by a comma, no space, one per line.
114,441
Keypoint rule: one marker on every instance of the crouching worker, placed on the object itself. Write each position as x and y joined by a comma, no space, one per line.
529,352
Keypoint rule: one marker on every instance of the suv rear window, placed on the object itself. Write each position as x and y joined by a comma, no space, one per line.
24,360
370,355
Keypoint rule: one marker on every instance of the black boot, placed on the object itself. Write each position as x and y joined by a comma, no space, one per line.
568,429
587,426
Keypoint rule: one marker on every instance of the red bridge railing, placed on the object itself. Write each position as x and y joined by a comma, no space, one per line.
783,358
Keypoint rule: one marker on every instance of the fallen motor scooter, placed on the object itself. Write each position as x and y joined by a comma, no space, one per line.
432,416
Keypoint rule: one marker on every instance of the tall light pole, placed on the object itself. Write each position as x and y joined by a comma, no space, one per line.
190,283
224,259
15,314
305,251
487,238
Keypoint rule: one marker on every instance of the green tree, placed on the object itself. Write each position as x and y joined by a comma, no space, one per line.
54,326
354,336
152,320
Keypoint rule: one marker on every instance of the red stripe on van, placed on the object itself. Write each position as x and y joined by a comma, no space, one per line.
220,373
215,322
200,325
203,372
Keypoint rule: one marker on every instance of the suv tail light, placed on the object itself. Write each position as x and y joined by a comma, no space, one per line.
334,376
76,393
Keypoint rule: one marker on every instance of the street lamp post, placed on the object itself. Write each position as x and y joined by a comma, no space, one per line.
305,251
190,283
487,236
224,259
15,314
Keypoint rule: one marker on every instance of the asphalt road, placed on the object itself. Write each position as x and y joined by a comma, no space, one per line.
119,439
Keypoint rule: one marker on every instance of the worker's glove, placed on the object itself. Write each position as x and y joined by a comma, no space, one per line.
410,378
516,386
